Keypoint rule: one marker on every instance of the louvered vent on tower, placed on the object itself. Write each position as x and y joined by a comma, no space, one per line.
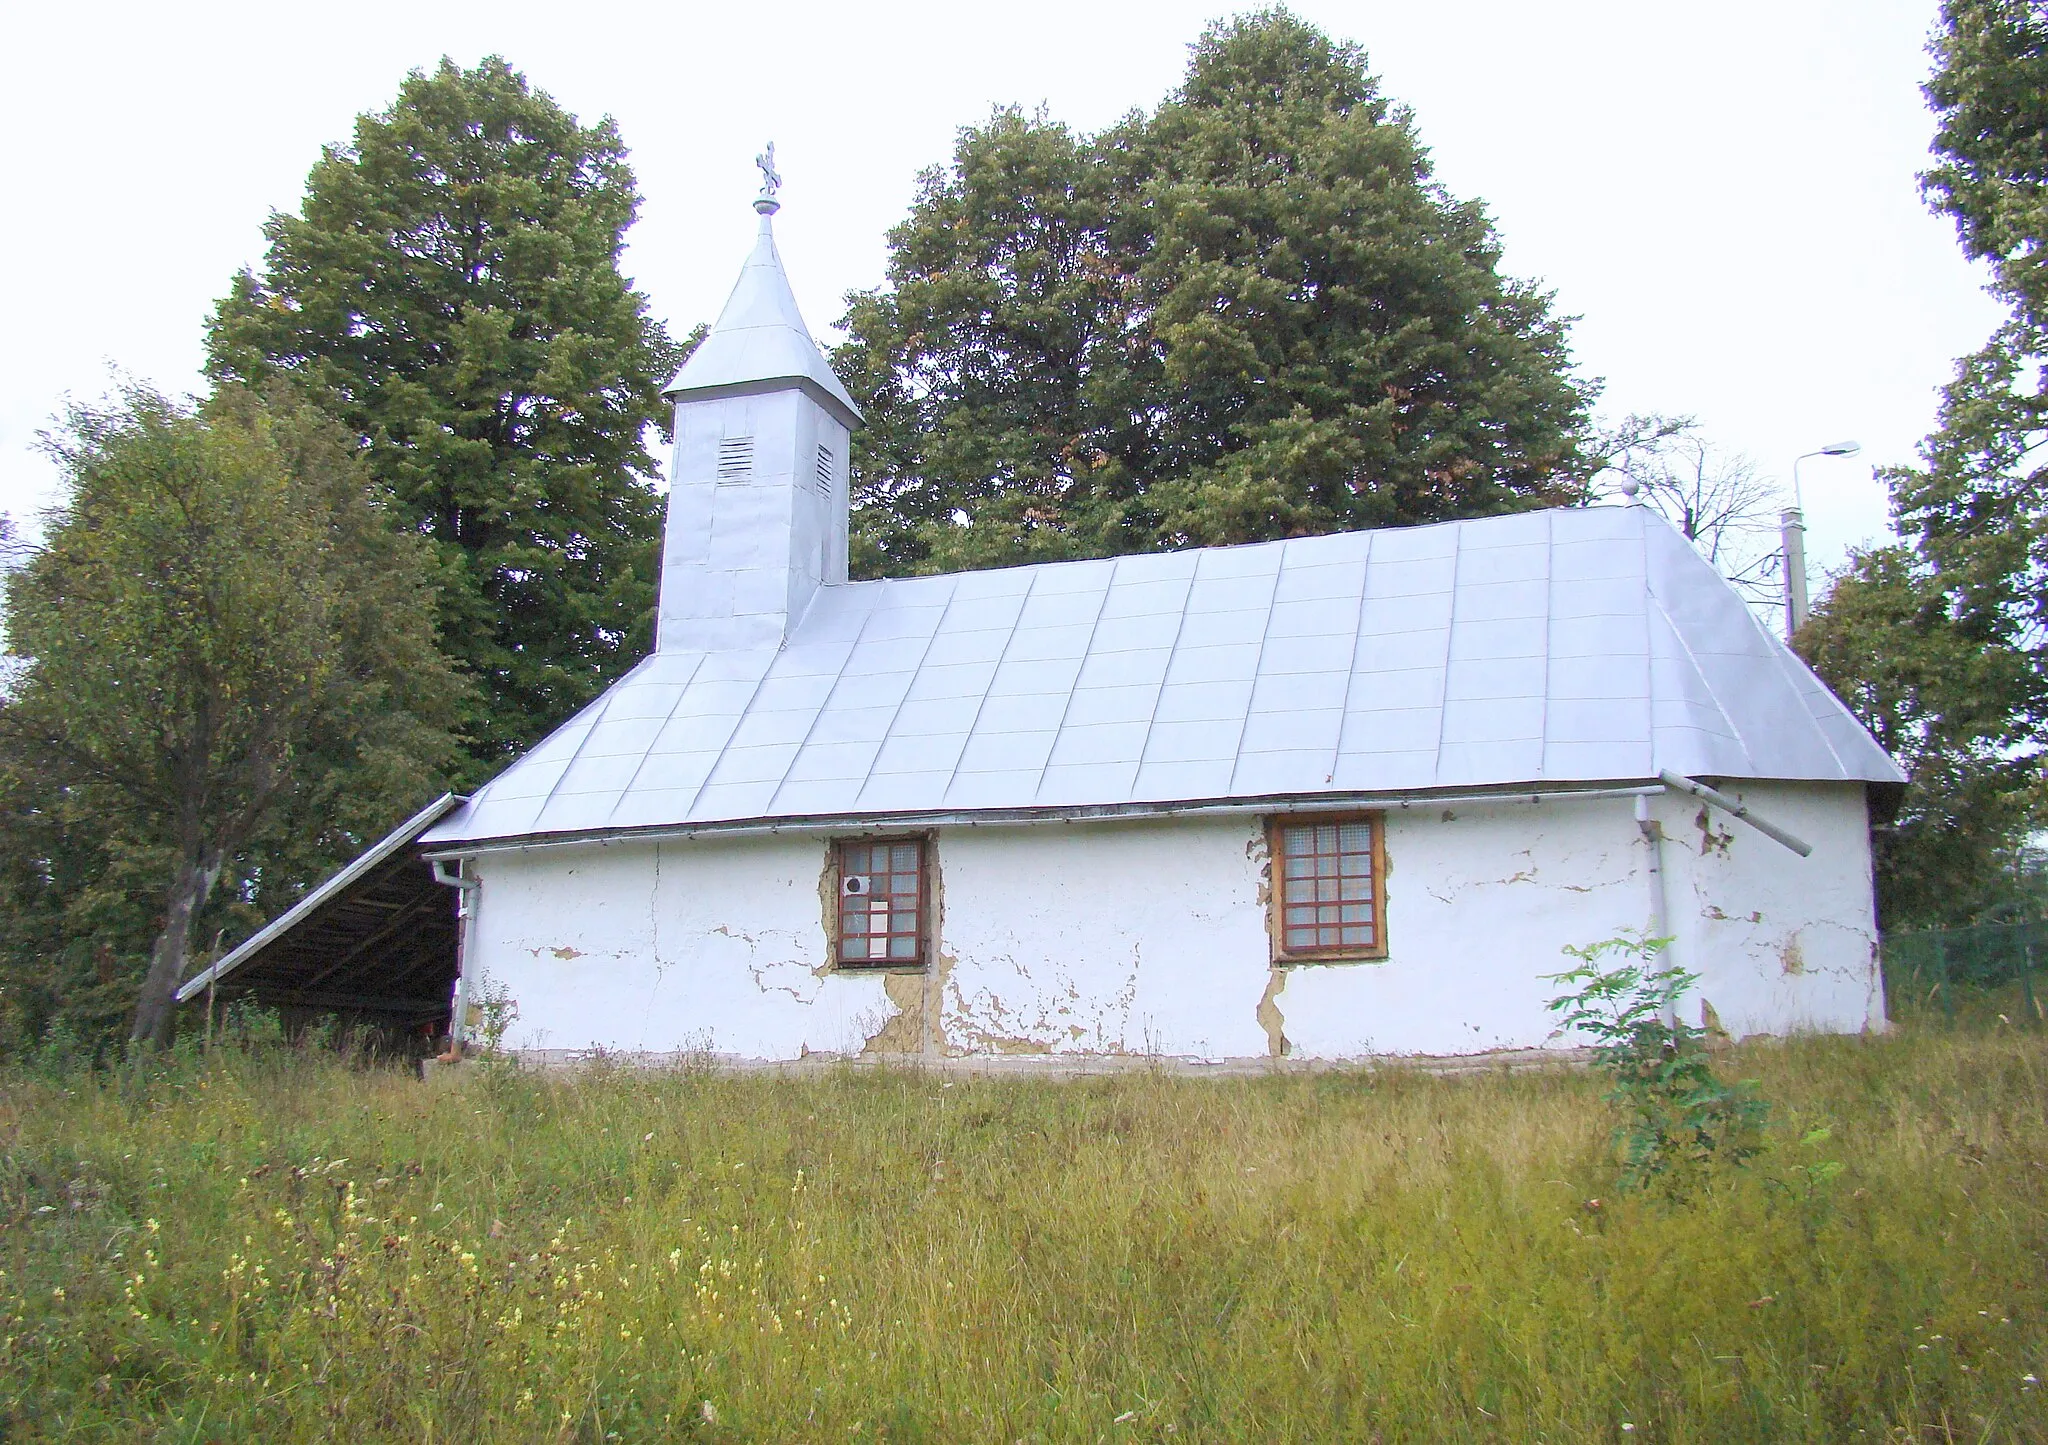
736,459
824,471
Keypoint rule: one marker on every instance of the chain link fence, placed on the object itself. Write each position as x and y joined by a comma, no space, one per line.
1928,968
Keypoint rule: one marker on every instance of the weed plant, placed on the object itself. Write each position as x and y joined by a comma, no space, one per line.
263,1245
1680,1118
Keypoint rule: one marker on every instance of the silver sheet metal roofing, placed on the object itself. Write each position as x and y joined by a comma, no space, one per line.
1555,647
761,337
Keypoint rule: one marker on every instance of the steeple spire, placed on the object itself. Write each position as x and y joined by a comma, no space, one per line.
760,342
757,505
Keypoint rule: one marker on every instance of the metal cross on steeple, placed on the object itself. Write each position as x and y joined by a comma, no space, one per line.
771,182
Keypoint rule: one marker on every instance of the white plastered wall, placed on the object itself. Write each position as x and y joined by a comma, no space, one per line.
1149,937
1781,943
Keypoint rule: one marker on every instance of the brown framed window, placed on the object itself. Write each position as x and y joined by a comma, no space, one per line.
1329,898
882,903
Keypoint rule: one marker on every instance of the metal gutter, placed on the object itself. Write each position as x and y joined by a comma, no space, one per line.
1015,817
403,834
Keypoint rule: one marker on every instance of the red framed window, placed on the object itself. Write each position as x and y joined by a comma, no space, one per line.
1329,899
882,903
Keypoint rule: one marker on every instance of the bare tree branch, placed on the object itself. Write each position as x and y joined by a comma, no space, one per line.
1717,499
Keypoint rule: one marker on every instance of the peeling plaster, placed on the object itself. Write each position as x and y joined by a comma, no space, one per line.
1713,911
1269,1016
904,1031
1790,959
1710,1025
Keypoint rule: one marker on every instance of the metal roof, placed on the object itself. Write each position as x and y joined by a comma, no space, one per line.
378,936
1564,646
761,339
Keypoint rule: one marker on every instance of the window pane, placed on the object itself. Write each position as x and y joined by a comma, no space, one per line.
1326,886
856,859
905,859
903,948
853,923
904,884
903,923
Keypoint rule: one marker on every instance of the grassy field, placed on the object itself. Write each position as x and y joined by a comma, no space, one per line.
279,1248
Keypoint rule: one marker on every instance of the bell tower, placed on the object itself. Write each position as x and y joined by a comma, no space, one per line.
757,506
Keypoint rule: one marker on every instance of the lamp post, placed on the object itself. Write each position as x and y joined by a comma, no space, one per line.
1792,535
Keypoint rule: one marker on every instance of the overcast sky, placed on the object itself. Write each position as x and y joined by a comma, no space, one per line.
1723,194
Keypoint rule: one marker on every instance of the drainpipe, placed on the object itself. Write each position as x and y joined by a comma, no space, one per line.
465,912
1734,809
1660,926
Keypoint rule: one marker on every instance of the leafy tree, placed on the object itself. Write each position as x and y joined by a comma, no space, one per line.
1943,648
222,633
450,293
1936,694
1252,313
996,369
1340,348
1979,508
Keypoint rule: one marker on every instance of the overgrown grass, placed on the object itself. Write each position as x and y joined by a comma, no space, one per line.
285,1249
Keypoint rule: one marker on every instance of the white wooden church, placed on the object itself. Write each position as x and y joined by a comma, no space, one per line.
1324,798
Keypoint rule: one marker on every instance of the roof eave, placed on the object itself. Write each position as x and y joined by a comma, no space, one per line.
843,411
397,838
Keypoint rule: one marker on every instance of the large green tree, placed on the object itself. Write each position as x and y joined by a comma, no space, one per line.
1251,313
1941,645
1978,508
450,293
1937,694
223,664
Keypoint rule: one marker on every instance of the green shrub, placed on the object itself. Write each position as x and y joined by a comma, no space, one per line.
1679,1117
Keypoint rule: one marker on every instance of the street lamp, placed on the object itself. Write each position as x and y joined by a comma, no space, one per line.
1792,532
